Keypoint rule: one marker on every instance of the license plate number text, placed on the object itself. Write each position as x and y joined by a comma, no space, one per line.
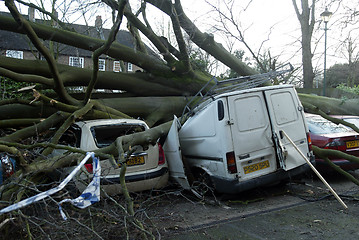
256,167
135,160
352,144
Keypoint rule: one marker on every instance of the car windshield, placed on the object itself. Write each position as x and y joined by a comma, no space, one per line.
106,134
319,125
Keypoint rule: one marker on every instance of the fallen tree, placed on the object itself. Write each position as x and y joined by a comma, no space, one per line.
155,95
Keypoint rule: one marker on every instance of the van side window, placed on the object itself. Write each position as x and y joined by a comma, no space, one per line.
284,107
220,110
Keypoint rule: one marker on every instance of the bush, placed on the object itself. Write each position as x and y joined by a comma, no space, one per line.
345,88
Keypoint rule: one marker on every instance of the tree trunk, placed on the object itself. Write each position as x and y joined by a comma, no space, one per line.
307,20
331,106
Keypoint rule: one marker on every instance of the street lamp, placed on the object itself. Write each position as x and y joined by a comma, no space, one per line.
325,17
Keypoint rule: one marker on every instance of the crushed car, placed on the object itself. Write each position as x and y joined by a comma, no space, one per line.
146,169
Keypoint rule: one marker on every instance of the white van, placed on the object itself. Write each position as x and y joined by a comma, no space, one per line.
234,140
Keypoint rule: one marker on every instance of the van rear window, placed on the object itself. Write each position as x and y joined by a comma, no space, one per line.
105,135
284,107
250,113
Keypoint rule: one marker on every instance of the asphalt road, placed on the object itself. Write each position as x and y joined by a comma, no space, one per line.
304,210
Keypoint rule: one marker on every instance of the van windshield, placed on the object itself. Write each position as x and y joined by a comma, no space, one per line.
105,135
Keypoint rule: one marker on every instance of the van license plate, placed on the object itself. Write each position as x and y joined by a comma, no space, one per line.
136,160
352,144
256,167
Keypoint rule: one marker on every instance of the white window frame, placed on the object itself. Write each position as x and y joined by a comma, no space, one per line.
102,65
14,54
129,67
80,61
117,66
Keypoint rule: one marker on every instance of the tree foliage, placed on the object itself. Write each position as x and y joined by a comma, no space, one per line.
343,74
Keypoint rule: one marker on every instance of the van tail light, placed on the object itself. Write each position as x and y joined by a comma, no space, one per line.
309,141
89,167
336,144
231,162
161,155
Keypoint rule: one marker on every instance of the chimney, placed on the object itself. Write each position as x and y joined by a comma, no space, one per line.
31,14
98,26
98,23
54,23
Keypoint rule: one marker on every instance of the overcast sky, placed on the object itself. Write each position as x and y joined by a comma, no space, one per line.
260,18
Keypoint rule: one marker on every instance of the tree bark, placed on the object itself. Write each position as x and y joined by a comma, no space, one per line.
307,21
136,107
150,85
331,106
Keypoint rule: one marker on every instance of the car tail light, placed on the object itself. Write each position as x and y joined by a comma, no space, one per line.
161,155
309,141
336,144
231,162
89,167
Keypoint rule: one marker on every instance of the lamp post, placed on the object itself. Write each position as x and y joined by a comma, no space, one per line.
325,17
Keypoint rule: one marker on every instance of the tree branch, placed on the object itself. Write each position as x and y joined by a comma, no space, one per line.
29,78
59,87
203,40
151,36
69,121
103,49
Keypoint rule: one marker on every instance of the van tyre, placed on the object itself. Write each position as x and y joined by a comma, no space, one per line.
202,183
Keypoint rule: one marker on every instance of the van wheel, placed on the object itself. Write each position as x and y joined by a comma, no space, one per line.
202,183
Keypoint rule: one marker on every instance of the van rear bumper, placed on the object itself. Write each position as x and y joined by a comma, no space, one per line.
234,186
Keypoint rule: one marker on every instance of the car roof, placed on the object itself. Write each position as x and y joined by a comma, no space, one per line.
345,116
313,116
326,127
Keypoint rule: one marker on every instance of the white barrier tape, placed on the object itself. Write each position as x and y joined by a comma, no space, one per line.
90,195
47,193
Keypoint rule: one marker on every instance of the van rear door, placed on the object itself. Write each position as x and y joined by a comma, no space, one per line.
286,114
251,135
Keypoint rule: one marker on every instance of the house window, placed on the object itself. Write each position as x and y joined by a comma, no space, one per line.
102,65
76,62
129,67
116,66
14,54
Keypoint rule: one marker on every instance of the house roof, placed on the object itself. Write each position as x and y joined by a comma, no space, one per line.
15,41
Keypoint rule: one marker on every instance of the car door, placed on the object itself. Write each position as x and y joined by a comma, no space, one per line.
251,135
286,114
172,150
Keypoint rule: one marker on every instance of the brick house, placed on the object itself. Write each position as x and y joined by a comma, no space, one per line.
19,46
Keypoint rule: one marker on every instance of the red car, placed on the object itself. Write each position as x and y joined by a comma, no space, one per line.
328,135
